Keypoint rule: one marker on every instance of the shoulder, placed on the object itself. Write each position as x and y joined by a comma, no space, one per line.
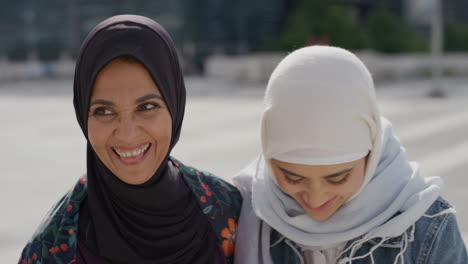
435,216
204,183
219,200
55,238
429,239
244,179
438,206
436,231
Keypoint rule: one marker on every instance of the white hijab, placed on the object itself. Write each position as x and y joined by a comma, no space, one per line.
320,108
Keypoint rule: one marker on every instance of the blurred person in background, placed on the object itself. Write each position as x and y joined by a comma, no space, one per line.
136,204
333,184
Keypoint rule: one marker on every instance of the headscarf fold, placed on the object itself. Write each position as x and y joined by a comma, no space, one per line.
321,100
158,221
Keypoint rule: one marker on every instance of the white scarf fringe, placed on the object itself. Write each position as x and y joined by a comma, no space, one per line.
407,237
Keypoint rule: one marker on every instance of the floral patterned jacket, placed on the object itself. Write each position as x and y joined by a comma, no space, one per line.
55,240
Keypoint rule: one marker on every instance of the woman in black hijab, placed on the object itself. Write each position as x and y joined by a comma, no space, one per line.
136,204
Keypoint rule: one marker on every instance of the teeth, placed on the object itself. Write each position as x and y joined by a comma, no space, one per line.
132,154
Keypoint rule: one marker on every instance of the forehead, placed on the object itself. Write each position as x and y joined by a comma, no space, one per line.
124,79
313,170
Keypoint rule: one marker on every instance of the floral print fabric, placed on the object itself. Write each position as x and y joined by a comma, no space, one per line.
55,240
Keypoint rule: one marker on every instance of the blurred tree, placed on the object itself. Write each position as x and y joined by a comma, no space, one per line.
388,34
455,37
320,22
325,22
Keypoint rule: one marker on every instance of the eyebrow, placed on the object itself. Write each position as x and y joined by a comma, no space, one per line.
101,101
148,96
137,101
333,175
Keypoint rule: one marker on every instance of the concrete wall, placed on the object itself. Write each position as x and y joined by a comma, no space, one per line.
11,71
258,67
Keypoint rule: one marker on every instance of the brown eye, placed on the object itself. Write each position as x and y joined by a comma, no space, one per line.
339,180
293,181
147,106
102,111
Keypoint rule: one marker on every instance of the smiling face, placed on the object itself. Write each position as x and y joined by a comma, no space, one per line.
320,189
129,125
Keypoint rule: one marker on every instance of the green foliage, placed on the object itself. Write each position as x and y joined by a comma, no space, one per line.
389,34
455,37
317,21
343,32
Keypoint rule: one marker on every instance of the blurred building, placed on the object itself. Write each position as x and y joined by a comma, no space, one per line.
418,11
414,11
51,29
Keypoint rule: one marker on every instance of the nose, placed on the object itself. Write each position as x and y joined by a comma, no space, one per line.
127,127
315,195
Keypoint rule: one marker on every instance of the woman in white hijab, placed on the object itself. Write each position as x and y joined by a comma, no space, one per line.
333,184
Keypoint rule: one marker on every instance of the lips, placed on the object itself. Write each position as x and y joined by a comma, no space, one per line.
128,153
132,155
321,207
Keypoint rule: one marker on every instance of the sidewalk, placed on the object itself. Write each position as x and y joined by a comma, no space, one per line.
41,130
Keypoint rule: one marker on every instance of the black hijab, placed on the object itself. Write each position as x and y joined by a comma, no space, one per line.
158,221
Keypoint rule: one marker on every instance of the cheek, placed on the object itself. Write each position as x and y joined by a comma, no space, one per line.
290,189
98,134
347,190
160,129
351,187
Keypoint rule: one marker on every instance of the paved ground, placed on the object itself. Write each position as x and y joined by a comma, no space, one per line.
43,150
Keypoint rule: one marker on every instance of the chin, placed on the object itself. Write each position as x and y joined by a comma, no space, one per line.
135,181
319,218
